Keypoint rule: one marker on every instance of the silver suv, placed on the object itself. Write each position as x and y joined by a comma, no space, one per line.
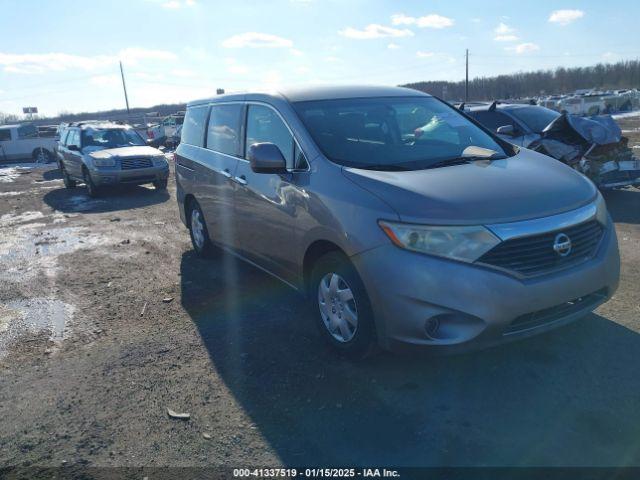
405,223
101,154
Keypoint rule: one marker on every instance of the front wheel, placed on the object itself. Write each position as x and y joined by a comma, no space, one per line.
343,311
41,155
160,184
92,189
68,181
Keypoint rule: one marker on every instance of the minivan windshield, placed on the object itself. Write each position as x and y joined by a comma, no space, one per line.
392,133
111,138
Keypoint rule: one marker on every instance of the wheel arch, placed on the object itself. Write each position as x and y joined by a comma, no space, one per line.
313,252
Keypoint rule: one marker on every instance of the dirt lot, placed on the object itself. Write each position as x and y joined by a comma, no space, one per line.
86,377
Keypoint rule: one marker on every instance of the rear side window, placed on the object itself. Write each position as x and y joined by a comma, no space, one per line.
223,134
63,137
27,131
5,134
73,138
492,120
264,125
193,129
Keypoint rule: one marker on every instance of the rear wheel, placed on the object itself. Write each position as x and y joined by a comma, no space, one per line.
41,155
343,311
198,231
92,189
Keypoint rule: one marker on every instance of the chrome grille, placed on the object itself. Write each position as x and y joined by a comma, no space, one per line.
134,163
534,255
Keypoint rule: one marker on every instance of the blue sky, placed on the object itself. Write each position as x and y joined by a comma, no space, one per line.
63,55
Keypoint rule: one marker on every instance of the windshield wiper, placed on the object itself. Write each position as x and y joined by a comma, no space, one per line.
462,160
385,168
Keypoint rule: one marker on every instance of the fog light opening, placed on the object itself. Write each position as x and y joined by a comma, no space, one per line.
431,328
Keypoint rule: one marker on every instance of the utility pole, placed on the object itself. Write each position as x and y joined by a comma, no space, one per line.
466,77
124,87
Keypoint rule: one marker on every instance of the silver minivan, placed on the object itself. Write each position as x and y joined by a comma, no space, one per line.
403,221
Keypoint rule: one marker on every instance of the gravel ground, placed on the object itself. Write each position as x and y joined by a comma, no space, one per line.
107,319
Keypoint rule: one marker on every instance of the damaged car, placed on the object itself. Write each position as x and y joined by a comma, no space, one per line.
594,146
104,154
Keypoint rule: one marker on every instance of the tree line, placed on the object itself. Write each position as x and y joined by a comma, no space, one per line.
624,74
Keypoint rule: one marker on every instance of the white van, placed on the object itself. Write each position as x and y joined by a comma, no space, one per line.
22,141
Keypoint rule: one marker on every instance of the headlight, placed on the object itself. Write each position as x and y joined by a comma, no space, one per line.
103,162
460,243
159,161
601,210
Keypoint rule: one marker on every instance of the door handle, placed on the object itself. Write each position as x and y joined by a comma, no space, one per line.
241,180
226,173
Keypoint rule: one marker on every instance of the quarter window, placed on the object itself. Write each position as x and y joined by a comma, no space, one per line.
223,134
5,134
264,125
193,129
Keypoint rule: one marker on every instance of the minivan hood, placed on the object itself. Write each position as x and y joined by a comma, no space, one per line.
125,152
525,186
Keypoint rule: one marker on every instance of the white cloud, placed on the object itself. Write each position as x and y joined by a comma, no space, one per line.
565,17
428,21
523,48
175,4
421,54
256,40
296,53
105,80
35,63
332,59
183,73
505,33
135,55
235,68
393,46
503,29
375,31
505,38
302,70
476,20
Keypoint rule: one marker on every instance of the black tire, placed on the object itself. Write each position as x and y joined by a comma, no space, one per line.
68,181
42,155
363,342
92,189
203,248
160,184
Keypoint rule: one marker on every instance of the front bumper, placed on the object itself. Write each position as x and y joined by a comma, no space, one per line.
475,307
138,176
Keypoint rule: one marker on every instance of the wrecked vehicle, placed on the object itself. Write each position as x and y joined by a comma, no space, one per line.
594,146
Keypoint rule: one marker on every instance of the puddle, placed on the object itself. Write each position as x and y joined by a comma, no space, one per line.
11,174
10,219
35,315
31,252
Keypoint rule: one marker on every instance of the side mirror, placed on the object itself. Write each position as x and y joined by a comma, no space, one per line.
508,130
73,148
266,158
